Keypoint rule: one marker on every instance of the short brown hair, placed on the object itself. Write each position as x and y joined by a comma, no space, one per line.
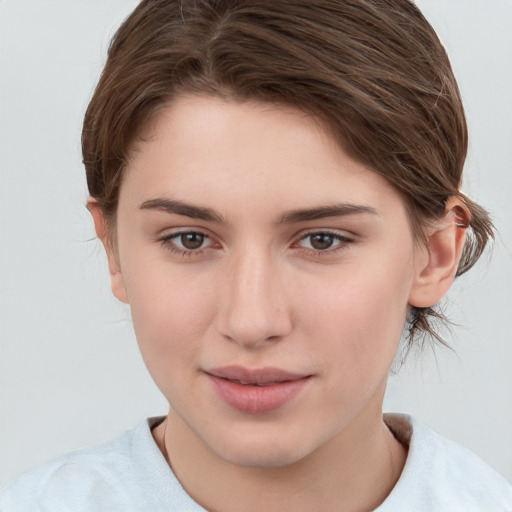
373,71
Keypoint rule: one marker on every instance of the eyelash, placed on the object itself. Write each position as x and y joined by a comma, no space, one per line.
168,242
343,242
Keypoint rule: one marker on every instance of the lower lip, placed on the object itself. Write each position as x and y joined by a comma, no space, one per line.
257,399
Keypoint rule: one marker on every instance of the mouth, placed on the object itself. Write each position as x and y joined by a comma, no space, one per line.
259,384
256,391
256,377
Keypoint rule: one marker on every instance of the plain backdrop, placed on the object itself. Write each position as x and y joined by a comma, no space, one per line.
70,373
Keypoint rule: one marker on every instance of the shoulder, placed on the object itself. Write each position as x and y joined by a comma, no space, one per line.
84,472
441,475
128,474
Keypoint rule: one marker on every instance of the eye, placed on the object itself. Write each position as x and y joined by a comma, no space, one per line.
190,241
186,242
324,241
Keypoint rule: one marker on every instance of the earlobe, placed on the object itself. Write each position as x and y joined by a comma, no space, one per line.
103,233
437,264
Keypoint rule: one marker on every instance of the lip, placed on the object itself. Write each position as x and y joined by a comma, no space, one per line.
256,391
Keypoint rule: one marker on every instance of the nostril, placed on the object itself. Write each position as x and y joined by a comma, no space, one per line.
249,312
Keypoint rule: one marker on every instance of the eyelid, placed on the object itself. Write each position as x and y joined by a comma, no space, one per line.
340,234
167,240
168,237
343,238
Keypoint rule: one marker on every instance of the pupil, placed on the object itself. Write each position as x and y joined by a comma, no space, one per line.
192,240
321,241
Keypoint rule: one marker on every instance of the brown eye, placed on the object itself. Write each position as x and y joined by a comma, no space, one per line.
321,241
188,242
324,241
191,241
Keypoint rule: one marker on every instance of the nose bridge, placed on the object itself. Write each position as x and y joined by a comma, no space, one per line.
254,310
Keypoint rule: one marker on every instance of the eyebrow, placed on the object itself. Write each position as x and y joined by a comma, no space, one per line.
181,208
323,212
176,207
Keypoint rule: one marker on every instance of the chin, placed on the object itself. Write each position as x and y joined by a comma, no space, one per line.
265,452
257,459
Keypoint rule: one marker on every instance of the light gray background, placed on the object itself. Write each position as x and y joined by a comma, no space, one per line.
70,373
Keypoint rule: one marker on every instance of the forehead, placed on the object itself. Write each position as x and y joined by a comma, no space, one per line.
231,153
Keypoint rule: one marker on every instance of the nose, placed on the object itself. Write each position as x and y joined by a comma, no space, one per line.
253,309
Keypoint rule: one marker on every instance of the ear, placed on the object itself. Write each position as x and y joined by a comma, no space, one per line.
103,233
437,264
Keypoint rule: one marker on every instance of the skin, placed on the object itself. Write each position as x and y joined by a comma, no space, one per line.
258,292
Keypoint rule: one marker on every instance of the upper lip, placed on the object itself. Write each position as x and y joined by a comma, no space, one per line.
258,377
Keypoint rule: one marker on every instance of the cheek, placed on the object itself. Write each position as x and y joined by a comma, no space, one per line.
360,313
171,312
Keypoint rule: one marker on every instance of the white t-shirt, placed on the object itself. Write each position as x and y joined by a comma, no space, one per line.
130,474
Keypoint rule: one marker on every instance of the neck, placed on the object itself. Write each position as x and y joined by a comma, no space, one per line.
354,471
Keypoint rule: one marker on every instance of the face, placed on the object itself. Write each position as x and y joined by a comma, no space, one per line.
268,274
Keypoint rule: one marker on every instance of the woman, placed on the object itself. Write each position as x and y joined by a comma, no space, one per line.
277,187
